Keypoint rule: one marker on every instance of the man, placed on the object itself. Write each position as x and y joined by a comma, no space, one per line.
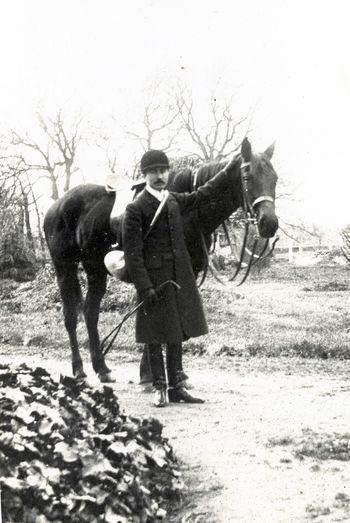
155,254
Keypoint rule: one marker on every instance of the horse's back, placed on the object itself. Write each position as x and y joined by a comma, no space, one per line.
76,220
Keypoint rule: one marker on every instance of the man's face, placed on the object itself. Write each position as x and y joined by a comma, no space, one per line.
157,178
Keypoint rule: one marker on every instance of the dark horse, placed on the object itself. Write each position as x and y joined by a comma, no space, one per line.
77,229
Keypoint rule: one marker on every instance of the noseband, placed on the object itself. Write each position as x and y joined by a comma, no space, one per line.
250,207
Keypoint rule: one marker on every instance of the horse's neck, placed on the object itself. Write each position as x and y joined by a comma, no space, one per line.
212,215
230,200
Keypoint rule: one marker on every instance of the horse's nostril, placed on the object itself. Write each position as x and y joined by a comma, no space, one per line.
268,226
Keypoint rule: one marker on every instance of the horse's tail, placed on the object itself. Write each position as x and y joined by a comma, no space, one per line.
60,224
79,300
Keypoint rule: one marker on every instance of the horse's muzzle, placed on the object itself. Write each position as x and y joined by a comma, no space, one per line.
267,222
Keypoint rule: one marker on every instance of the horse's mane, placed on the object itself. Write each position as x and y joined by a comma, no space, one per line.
182,180
208,171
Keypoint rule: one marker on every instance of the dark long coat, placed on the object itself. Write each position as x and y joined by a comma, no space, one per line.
163,256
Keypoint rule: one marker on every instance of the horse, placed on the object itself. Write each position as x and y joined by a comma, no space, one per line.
78,230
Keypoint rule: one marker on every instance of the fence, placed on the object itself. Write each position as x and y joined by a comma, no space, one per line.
287,252
293,250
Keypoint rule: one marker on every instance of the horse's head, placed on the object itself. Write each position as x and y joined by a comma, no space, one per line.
259,183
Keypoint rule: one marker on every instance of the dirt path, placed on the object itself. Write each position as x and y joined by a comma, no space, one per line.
231,471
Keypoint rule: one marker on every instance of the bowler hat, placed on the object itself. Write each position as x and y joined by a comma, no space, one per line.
153,159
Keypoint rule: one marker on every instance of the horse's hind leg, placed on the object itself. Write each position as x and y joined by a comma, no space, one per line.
97,279
67,278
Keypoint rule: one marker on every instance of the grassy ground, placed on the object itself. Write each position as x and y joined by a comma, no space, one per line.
284,311
287,311
272,371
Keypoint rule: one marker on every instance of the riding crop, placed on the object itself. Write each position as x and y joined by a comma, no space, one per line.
114,332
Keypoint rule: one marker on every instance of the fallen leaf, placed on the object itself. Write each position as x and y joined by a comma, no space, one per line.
69,454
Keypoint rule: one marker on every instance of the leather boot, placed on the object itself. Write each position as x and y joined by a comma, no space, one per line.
180,395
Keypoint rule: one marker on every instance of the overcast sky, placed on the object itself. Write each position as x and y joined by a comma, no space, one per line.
291,58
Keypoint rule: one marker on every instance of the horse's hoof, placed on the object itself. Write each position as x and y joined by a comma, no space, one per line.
80,375
106,377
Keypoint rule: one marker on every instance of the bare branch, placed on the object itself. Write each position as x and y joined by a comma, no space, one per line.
160,120
220,140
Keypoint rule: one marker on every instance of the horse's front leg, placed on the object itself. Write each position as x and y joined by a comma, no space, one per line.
96,278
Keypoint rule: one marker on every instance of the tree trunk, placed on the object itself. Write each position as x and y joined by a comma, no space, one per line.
21,220
29,233
69,164
40,232
54,188
67,180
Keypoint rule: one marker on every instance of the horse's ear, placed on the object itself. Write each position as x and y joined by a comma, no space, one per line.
246,150
269,151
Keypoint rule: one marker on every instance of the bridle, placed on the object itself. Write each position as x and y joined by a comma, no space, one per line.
249,207
250,218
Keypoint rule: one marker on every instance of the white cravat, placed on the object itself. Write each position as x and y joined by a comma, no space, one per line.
160,195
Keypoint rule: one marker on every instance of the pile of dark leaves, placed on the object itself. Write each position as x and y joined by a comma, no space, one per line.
67,454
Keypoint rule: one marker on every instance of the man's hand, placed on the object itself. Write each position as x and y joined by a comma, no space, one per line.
149,296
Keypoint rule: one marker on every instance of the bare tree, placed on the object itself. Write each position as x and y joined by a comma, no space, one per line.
160,125
106,144
300,232
66,139
16,188
223,132
32,205
54,149
17,249
41,161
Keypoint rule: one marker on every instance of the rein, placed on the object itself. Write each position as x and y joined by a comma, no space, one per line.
105,348
250,218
